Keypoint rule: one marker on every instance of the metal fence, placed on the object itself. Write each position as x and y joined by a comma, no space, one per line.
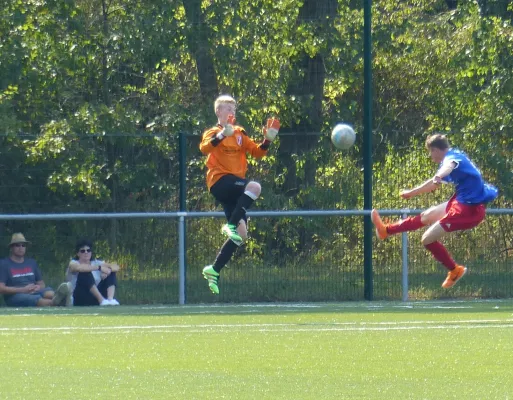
311,256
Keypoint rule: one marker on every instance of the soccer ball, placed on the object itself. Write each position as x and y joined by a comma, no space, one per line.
343,136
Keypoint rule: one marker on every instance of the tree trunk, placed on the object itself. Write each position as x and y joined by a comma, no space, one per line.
309,89
452,4
200,47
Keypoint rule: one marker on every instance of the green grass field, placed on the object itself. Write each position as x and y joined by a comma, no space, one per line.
420,350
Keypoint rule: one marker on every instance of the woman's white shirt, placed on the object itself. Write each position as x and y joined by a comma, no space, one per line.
97,275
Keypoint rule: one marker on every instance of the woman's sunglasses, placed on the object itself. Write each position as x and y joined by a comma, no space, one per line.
85,251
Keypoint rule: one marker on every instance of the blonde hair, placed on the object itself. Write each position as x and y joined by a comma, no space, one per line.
224,99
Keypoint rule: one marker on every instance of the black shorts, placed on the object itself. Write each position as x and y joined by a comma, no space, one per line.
227,191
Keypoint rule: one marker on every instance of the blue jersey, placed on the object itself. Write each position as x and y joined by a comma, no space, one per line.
466,177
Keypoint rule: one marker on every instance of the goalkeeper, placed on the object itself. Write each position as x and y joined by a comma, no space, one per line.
226,146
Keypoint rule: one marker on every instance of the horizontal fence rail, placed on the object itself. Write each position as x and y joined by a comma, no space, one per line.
182,243
204,214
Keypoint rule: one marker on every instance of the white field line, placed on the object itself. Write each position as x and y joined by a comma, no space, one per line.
278,327
264,330
256,308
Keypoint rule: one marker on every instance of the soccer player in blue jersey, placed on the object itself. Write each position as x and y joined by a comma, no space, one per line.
464,210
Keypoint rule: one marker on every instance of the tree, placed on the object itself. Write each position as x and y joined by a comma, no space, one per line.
200,47
307,88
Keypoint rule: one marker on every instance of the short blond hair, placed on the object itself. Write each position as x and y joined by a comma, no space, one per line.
224,99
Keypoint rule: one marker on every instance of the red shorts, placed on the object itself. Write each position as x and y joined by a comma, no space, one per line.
459,216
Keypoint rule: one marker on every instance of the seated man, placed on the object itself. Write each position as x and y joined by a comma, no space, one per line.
21,282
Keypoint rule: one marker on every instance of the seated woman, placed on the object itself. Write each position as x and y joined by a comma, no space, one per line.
94,281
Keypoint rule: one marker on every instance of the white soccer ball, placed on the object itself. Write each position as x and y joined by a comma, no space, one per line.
343,136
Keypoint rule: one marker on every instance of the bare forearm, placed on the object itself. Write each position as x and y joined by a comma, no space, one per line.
427,187
76,267
10,290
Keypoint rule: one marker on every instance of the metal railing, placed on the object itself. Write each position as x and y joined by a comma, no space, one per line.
183,216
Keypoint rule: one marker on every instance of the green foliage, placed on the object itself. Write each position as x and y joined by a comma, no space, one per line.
94,94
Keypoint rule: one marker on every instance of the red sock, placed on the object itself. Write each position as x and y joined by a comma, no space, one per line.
441,254
405,225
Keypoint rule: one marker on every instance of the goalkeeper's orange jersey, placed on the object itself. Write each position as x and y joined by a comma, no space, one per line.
228,156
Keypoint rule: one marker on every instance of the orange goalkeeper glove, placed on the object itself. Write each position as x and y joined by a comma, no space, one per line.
228,128
271,129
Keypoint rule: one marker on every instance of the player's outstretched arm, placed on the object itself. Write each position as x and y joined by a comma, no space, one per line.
212,137
426,187
270,132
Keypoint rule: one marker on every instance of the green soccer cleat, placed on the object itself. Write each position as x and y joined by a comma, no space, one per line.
231,231
212,277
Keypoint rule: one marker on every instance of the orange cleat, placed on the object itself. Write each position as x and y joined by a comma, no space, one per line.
381,228
454,276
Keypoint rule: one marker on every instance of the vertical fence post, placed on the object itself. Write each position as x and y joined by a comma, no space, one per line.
181,259
404,243
367,150
182,151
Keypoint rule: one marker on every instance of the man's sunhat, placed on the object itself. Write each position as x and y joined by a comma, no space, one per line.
18,238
